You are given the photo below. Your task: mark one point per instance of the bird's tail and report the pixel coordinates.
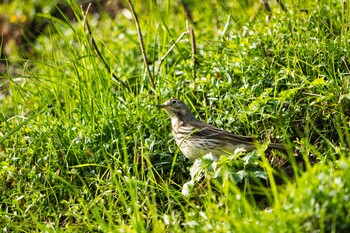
(278, 146)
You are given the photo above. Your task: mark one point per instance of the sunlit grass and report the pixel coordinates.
(79, 151)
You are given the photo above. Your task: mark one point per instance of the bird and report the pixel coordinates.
(196, 138)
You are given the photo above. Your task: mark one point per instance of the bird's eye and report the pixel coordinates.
(174, 102)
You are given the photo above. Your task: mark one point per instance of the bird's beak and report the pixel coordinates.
(160, 106)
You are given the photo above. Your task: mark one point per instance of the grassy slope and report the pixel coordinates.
(80, 152)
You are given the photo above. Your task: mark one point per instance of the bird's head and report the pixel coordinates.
(176, 109)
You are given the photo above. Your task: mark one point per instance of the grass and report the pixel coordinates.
(79, 151)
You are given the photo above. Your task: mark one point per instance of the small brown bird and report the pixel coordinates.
(196, 138)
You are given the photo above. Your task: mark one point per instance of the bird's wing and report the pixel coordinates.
(211, 132)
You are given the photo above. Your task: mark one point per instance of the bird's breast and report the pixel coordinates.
(194, 148)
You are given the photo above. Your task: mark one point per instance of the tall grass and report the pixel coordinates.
(83, 151)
